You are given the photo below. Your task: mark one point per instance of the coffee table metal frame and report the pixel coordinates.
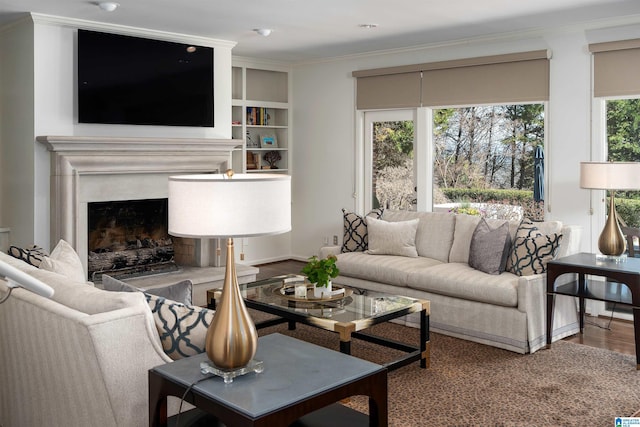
(286, 312)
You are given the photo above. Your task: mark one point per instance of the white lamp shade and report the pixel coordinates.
(610, 175)
(216, 206)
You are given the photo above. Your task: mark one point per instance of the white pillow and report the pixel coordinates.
(392, 238)
(64, 260)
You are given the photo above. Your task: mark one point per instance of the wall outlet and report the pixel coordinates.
(325, 240)
(335, 239)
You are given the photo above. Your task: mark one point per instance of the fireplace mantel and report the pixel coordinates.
(88, 169)
(74, 144)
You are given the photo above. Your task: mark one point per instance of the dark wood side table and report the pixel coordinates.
(299, 378)
(626, 272)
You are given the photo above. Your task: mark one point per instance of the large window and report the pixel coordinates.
(489, 160)
(623, 145)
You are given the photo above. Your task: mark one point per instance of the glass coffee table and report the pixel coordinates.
(348, 314)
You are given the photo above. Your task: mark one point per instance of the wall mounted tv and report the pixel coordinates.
(139, 81)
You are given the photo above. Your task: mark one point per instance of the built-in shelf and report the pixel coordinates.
(260, 117)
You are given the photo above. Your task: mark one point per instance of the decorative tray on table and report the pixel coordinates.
(339, 292)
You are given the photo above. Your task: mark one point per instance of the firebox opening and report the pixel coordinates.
(129, 238)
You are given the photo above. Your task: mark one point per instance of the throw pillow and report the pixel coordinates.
(64, 260)
(531, 254)
(180, 292)
(182, 329)
(392, 238)
(489, 247)
(354, 238)
(526, 229)
(32, 255)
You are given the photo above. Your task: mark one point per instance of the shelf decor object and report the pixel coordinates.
(611, 176)
(268, 141)
(225, 206)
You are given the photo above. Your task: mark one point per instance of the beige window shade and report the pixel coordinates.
(388, 91)
(522, 81)
(615, 68)
(518, 77)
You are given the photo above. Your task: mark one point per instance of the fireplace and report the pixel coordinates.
(129, 238)
(88, 170)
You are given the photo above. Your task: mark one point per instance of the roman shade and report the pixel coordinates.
(615, 68)
(517, 77)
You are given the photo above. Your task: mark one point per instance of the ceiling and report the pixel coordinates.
(306, 31)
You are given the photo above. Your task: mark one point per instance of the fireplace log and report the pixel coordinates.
(127, 258)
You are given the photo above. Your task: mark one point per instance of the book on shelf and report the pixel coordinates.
(258, 116)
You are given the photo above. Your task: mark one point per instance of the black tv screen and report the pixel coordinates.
(138, 81)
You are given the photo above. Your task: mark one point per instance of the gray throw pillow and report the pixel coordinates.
(489, 248)
(180, 292)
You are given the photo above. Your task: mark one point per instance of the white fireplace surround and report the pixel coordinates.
(98, 169)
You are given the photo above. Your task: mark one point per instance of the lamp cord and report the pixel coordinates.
(6, 297)
(608, 326)
(184, 396)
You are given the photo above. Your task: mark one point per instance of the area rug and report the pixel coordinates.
(472, 384)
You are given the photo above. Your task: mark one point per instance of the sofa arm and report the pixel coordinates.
(325, 251)
(570, 243)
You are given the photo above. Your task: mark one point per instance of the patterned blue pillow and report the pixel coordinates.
(531, 254)
(355, 237)
(182, 328)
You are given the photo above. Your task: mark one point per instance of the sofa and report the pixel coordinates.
(80, 358)
(427, 255)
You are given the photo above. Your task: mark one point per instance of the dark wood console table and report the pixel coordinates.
(624, 273)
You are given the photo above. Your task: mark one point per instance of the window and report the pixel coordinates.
(389, 141)
(489, 160)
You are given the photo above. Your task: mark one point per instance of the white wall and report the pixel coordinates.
(16, 130)
(324, 124)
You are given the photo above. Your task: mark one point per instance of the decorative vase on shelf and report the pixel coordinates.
(322, 291)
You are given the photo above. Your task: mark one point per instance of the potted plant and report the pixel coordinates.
(320, 272)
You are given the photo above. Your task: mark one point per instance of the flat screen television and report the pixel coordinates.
(138, 81)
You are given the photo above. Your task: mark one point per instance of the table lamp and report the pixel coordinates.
(226, 206)
(610, 176)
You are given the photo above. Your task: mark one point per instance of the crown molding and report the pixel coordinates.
(39, 18)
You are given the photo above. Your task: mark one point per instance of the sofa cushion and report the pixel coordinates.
(464, 227)
(459, 280)
(64, 260)
(489, 248)
(392, 238)
(354, 238)
(389, 269)
(182, 329)
(435, 231)
(180, 292)
(531, 254)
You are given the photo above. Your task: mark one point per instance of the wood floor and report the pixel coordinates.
(616, 335)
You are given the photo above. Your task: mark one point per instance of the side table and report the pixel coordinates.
(627, 273)
(299, 378)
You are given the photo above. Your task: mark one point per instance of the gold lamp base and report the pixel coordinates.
(612, 241)
(232, 338)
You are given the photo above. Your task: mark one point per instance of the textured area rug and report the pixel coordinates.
(471, 384)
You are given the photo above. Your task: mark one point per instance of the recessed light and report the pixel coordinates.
(367, 26)
(264, 32)
(108, 6)
(191, 49)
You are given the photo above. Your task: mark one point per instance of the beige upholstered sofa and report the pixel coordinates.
(504, 310)
(78, 359)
